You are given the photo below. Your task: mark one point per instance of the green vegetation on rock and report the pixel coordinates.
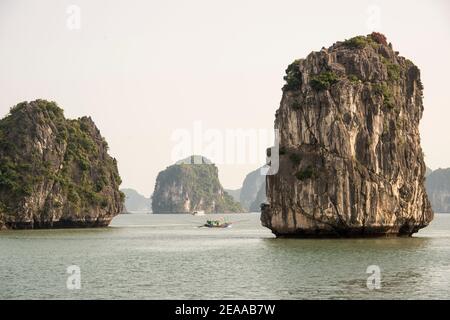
(296, 105)
(393, 69)
(358, 42)
(385, 90)
(293, 77)
(295, 159)
(353, 78)
(324, 80)
(305, 174)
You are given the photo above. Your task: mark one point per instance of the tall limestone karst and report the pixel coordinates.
(351, 163)
(55, 172)
(191, 185)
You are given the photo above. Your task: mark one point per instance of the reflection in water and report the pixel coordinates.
(336, 268)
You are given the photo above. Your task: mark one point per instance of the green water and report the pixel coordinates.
(168, 257)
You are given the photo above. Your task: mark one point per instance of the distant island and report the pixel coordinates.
(438, 189)
(55, 172)
(192, 185)
(252, 193)
(351, 164)
(136, 202)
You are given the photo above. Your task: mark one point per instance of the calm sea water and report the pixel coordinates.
(168, 257)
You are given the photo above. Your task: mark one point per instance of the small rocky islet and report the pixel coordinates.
(55, 172)
(192, 184)
(351, 164)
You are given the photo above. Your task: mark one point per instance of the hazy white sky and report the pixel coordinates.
(144, 69)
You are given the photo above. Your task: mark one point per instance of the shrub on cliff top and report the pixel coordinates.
(293, 76)
(357, 42)
(360, 42)
(324, 80)
(378, 38)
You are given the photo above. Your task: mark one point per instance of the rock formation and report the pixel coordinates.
(136, 202)
(350, 157)
(55, 172)
(251, 186)
(259, 199)
(252, 193)
(438, 190)
(191, 185)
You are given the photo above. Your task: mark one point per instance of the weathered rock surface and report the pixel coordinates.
(438, 190)
(350, 157)
(54, 172)
(191, 185)
(251, 195)
(260, 198)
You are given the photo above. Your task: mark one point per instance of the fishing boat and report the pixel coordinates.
(198, 213)
(220, 223)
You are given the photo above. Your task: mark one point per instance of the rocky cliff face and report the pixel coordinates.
(438, 190)
(259, 200)
(55, 172)
(191, 185)
(350, 157)
(251, 188)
